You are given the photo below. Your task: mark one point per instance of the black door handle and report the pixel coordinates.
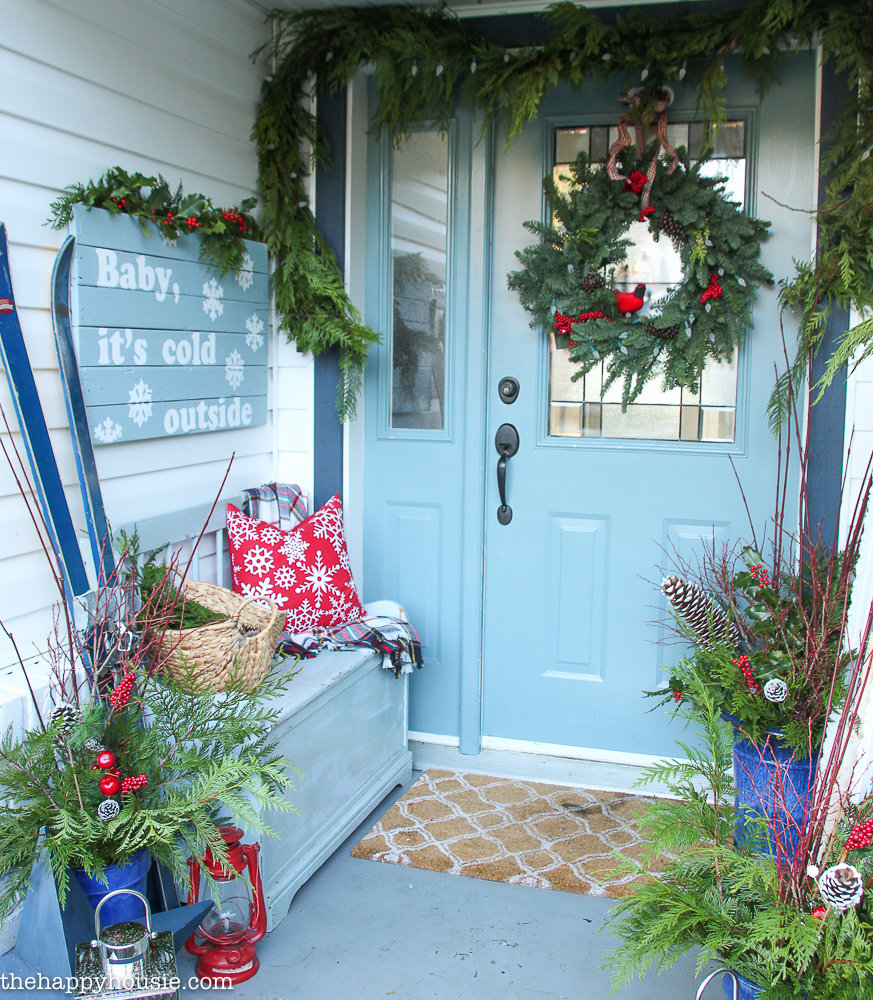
(506, 442)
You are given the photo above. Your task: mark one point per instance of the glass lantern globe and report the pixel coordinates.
(230, 920)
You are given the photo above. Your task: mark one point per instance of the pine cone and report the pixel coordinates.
(64, 718)
(93, 745)
(108, 810)
(702, 615)
(666, 333)
(775, 690)
(841, 886)
(668, 224)
(592, 281)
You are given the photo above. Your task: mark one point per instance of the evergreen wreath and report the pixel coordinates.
(568, 281)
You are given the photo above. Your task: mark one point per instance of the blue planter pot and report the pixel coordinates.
(130, 876)
(774, 784)
(747, 990)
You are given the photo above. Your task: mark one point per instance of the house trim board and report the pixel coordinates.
(549, 763)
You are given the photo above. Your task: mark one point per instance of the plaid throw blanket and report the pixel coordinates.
(397, 641)
(276, 503)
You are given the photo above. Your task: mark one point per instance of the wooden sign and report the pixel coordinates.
(165, 346)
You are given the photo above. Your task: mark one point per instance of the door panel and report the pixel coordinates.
(544, 629)
(571, 582)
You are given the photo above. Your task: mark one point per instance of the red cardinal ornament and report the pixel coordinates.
(631, 302)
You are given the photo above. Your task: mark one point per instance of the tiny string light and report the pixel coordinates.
(506, 57)
(439, 69)
(473, 66)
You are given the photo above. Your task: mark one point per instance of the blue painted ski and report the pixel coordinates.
(46, 478)
(86, 467)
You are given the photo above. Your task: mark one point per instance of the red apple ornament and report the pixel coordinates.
(106, 759)
(110, 784)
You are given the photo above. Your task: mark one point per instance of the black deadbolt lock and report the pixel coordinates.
(507, 389)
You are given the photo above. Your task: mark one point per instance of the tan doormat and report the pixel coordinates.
(507, 830)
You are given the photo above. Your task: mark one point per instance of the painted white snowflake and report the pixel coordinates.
(240, 528)
(244, 276)
(234, 369)
(140, 399)
(294, 548)
(255, 326)
(108, 431)
(213, 293)
(271, 534)
(258, 560)
(285, 577)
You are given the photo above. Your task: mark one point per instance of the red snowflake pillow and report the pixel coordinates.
(304, 571)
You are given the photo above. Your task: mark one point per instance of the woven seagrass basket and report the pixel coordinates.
(240, 649)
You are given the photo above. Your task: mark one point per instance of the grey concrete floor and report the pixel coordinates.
(361, 930)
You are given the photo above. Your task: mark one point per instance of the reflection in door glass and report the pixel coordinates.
(419, 222)
(580, 408)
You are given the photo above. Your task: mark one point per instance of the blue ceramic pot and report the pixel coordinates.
(774, 784)
(747, 990)
(130, 876)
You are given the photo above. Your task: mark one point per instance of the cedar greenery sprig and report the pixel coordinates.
(150, 199)
(425, 59)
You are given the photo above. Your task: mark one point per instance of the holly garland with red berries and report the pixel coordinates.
(568, 280)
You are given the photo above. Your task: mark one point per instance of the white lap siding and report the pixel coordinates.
(159, 86)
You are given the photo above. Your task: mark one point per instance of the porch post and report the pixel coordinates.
(330, 192)
(827, 419)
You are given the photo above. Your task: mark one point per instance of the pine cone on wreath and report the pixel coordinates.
(668, 224)
(702, 615)
(665, 333)
(841, 886)
(592, 281)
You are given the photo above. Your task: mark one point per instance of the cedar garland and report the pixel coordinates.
(425, 58)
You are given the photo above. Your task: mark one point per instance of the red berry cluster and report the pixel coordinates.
(760, 574)
(234, 218)
(193, 223)
(564, 323)
(120, 202)
(645, 213)
(133, 784)
(678, 696)
(861, 836)
(748, 673)
(121, 695)
(713, 291)
(636, 182)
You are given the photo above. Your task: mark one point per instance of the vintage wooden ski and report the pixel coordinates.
(28, 409)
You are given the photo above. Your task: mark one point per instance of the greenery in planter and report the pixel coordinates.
(127, 758)
(780, 926)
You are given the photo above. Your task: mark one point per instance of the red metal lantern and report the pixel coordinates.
(225, 941)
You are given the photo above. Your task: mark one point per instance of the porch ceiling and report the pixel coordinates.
(477, 8)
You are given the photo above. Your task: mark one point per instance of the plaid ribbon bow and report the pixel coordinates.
(624, 140)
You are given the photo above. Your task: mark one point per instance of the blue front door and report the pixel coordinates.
(540, 631)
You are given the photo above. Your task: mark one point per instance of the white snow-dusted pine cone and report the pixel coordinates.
(93, 745)
(108, 809)
(841, 886)
(776, 690)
